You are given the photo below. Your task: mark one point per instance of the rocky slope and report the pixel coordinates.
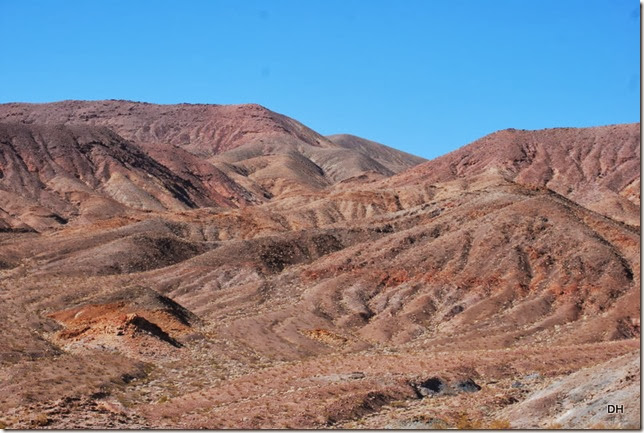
(598, 168)
(320, 289)
(230, 155)
(53, 174)
(201, 129)
(612, 382)
(392, 159)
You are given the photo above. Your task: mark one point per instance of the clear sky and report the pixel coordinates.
(424, 76)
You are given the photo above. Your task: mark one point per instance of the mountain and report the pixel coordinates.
(201, 129)
(392, 159)
(598, 168)
(53, 174)
(246, 153)
(281, 279)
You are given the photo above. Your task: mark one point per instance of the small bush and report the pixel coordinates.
(499, 424)
(463, 422)
(40, 420)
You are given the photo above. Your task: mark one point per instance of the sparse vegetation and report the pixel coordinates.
(499, 424)
(303, 288)
(40, 420)
(465, 422)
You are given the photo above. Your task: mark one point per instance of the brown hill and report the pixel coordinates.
(465, 270)
(50, 175)
(290, 167)
(201, 129)
(393, 159)
(135, 320)
(455, 294)
(598, 168)
(265, 153)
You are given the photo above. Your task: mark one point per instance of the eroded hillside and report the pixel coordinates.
(284, 282)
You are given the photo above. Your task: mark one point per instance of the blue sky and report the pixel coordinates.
(425, 76)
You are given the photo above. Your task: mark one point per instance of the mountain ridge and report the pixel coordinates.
(574, 162)
(232, 154)
(311, 284)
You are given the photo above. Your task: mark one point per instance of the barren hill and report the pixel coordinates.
(202, 129)
(53, 174)
(246, 153)
(393, 159)
(285, 283)
(596, 167)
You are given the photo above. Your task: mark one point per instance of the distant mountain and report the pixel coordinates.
(598, 167)
(392, 159)
(288, 166)
(201, 129)
(264, 153)
(52, 174)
